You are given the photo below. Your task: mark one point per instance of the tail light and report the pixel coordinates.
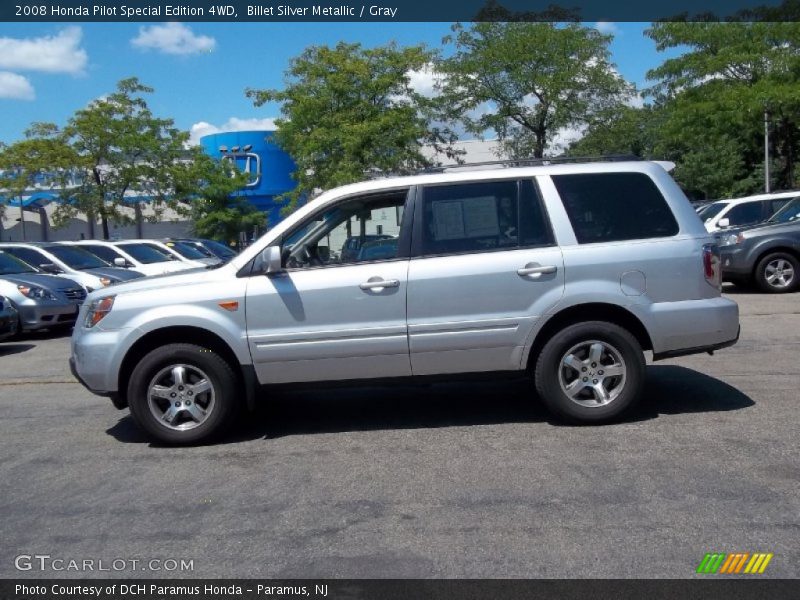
(712, 267)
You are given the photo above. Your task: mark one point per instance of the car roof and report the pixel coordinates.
(459, 173)
(757, 197)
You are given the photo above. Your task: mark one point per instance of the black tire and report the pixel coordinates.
(620, 348)
(777, 259)
(194, 359)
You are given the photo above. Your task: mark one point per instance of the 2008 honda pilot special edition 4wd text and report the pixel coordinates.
(568, 272)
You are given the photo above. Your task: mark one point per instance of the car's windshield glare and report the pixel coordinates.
(789, 212)
(77, 258)
(186, 250)
(146, 254)
(712, 210)
(10, 265)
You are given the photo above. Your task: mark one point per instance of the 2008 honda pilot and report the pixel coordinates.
(566, 271)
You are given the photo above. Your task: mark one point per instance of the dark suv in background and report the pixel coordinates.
(767, 254)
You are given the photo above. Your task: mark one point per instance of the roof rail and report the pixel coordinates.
(534, 162)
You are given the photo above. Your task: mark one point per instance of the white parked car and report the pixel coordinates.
(72, 263)
(740, 212)
(184, 252)
(144, 259)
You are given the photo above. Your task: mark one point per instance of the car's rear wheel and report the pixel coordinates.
(590, 372)
(183, 394)
(777, 273)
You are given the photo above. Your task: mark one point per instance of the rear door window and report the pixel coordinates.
(482, 216)
(612, 207)
(747, 213)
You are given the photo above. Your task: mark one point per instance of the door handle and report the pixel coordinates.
(536, 270)
(376, 282)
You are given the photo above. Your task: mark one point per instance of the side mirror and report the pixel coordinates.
(49, 268)
(271, 260)
(724, 222)
(120, 262)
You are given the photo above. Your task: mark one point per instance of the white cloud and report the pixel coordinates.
(636, 100)
(173, 38)
(606, 27)
(202, 128)
(424, 81)
(15, 87)
(60, 53)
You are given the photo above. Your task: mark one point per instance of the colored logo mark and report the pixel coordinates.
(741, 563)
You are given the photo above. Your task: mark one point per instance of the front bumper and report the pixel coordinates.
(9, 320)
(41, 315)
(95, 358)
(734, 263)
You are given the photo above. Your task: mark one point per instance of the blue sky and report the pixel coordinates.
(200, 70)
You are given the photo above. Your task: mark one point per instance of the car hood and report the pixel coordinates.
(155, 282)
(49, 282)
(764, 228)
(114, 273)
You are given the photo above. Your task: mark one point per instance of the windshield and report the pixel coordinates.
(186, 250)
(712, 210)
(10, 265)
(146, 254)
(789, 212)
(76, 258)
(220, 250)
(104, 252)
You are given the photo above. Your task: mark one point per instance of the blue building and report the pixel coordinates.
(255, 153)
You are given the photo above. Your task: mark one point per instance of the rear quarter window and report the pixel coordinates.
(612, 207)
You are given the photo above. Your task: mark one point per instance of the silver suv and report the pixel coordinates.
(568, 272)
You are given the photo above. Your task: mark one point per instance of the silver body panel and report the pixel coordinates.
(443, 314)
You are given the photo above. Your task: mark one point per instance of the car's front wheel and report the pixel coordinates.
(590, 372)
(777, 273)
(183, 394)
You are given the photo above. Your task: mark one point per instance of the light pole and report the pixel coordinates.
(766, 150)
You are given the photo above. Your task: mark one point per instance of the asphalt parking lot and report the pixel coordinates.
(458, 480)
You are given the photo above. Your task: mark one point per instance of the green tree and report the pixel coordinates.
(715, 94)
(626, 130)
(42, 152)
(216, 210)
(122, 149)
(527, 81)
(348, 111)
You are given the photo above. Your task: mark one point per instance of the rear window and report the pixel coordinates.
(612, 207)
(483, 216)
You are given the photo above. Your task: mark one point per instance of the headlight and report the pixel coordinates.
(98, 309)
(731, 239)
(105, 281)
(34, 291)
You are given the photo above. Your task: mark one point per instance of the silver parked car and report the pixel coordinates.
(41, 301)
(568, 272)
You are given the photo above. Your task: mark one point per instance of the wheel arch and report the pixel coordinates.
(593, 311)
(762, 252)
(183, 334)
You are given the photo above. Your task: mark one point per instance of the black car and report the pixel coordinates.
(9, 319)
(767, 254)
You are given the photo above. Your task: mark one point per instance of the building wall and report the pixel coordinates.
(172, 225)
